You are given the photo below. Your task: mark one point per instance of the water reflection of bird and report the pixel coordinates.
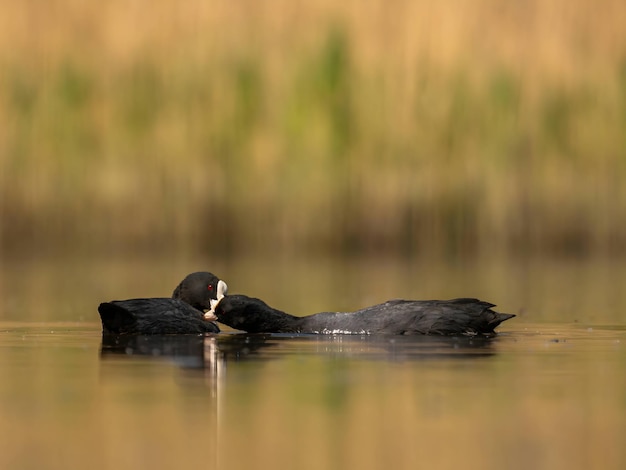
(188, 351)
(212, 352)
(181, 314)
(396, 317)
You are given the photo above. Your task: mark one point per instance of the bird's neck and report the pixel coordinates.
(276, 321)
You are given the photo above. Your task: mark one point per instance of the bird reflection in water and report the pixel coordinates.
(212, 352)
(188, 351)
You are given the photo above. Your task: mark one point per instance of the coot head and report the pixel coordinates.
(240, 312)
(198, 289)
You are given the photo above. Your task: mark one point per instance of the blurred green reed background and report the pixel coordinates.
(406, 127)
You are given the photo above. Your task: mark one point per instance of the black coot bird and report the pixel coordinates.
(394, 317)
(182, 314)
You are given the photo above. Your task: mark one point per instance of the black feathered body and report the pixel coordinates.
(181, 314)
(395, 317)
(153, 316)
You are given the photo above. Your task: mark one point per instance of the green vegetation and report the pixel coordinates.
(315, 134)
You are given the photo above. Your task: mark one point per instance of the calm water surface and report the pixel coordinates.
(549, 392)
(537, 396)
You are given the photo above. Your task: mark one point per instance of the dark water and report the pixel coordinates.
(548, 392)
(538, 396)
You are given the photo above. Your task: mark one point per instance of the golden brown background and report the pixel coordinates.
(408, 127)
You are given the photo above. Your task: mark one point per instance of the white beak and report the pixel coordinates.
(222, 290)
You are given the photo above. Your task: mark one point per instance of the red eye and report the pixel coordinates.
(209, 287)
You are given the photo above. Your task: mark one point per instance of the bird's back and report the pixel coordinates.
(153, 316)
(441, 317)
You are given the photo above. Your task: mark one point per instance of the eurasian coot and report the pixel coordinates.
(394, 317)
(182, 314)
